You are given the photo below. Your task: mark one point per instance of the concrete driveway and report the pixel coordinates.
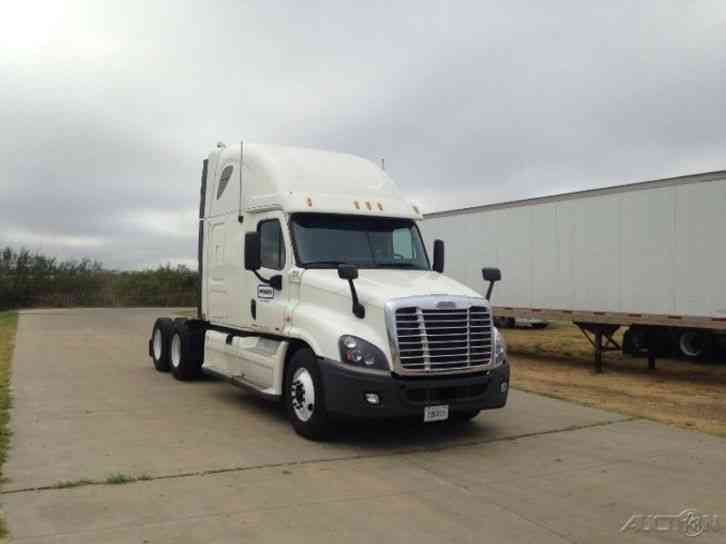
(221, 466)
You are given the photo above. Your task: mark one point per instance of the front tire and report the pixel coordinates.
(159, 343)
(185, 352)
(304, 396)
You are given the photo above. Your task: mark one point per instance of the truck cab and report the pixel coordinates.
(317, 290)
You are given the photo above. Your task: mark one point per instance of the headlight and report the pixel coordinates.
(357, 352)
(500, 348)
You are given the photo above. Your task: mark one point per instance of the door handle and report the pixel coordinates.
(253, 308)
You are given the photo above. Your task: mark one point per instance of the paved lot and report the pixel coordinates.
(225, 467)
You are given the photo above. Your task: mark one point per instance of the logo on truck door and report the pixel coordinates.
(265, 292)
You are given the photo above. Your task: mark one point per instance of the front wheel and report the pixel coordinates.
(304, 398)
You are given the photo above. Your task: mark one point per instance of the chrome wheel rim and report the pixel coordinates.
(157, 344)
(176, 351)
(302, 394)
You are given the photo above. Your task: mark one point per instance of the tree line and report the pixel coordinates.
(30, 279)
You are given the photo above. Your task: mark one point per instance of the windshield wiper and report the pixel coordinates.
(324, 263)
(397, 265)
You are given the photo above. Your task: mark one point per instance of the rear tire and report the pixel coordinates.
(692, 344)
(304, 396)
(159, 343)
(186, 351)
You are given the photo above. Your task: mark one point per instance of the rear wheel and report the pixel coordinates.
(159, 344)
(691, 344)
(304, 397)
(185, 351)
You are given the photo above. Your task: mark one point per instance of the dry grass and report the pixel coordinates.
(8, 325)
(557, 361)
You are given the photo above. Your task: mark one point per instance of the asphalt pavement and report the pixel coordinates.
(215, 464)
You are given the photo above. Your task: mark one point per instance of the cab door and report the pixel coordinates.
(268, 306)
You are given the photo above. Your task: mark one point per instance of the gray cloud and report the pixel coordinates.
(108, 108)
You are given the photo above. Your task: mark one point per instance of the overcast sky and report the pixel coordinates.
(108, 108)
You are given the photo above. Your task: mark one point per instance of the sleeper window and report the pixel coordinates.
(224, 180)
(272, 245)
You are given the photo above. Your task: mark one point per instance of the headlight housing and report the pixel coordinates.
(358, 352)
(500, 348)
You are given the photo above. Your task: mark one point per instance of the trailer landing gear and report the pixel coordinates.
(600, 335)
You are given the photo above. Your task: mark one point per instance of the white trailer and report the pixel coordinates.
(317, 290)
(647, 256)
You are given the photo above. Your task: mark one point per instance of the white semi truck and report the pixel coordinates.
(646, 256)
(317, 290)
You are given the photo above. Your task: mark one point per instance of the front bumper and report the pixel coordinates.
(345, 391)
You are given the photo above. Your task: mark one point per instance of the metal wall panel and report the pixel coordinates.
(650, 249)
(700, 217)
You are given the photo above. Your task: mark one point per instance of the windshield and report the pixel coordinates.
(327, 240)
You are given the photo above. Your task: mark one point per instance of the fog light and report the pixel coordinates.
(373, 398)
(503, 387)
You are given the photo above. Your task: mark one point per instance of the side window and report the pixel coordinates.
(272, 244)
(402, 243)
(224, 180)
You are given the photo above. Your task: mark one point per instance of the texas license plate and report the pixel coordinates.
(436, 413)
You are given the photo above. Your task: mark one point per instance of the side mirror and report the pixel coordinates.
(438, 256)
(492, 275)
(276, 282)
(252, 251)
(349, 273)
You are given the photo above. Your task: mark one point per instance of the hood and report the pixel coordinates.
(376, 286)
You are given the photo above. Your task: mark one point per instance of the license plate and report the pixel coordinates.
(436, 413)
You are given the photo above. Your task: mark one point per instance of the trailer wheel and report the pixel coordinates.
(304, 397)
(691, 344)
(159, 343)
(185, 352)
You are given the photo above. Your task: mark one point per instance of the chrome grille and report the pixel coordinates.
(430, 339)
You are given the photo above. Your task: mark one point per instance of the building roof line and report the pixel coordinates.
(560, 197)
